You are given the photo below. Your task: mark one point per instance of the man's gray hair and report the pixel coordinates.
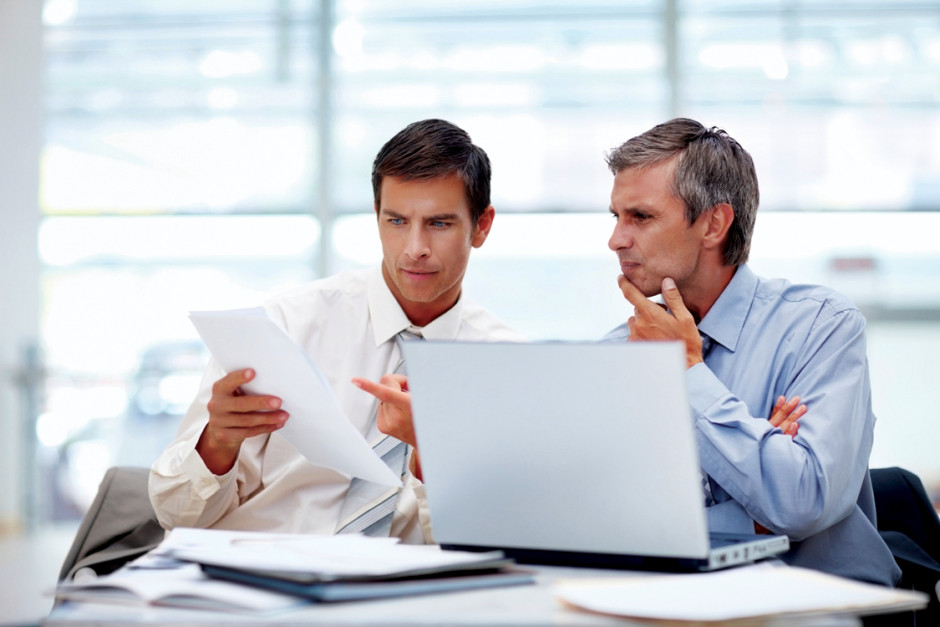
(711, 168)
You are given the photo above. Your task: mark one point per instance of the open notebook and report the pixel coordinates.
(566, 453)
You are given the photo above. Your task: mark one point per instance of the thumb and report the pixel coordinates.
(672, 297)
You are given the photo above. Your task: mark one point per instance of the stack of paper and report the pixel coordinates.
(257, 571)
(738, 593)
(342, 567)
(179, 585)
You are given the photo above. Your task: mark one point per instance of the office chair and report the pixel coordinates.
(910, 527)
(119, 526)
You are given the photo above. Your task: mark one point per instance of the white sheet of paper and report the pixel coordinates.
(317, 427)
(183, 586)
(749, 591)
(334, 556)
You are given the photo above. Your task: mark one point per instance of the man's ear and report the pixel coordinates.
(719, 220)
(484, 224)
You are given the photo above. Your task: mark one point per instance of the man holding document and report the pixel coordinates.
(228, 469)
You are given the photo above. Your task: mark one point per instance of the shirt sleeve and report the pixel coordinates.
(412, 521)
(803, 485)
(183, 491)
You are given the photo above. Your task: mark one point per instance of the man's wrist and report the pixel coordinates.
(219, 460)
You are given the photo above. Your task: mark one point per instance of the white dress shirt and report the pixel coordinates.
(347, 323)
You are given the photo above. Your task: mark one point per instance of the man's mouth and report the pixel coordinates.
(417, 274)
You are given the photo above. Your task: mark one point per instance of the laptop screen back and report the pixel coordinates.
(558, 446)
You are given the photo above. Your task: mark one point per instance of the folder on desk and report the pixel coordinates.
(337, 568)
(357, 590)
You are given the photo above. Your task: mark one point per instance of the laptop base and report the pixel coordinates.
(592, 560)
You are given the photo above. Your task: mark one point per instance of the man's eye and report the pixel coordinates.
(439, 224)
(396, 221)
(641, 217)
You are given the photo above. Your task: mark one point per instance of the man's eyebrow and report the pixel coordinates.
(439, 216)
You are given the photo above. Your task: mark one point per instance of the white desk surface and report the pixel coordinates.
(532, 604)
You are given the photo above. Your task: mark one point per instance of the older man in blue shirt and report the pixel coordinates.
(685, 199)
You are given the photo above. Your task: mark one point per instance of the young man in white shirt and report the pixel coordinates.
(228, 468)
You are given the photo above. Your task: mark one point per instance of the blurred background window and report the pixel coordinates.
(205, 155)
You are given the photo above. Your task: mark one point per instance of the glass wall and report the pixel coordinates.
(205, 155)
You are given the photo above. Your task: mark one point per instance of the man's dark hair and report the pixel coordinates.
(430, 149)
(711, 168)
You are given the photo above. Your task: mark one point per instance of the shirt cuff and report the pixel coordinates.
(203, 482)
(424, 512)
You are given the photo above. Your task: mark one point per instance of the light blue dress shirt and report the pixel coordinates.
(770, 337)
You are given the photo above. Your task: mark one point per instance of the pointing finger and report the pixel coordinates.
(383, 392)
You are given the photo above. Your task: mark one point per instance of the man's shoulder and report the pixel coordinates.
(479, 324)
(820, 302)
(339, 296)
(803, 293)
(350, 283)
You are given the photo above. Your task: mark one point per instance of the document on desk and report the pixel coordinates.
(317, 427)
(182, 586)
(319, 558)
(747, 592)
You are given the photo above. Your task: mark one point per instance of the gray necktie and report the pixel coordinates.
(369, 507)
(706, 485)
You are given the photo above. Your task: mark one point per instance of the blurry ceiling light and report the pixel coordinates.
(863, 53)
(621, 57)
(776, 67)
(492, 94)
(347, 38)
(222, 98)
(58, 12)
(743, 55)
(813, 54)
(382, 62)
(424, 61)
(69, 240)
(497, 59)
(895, 49)
(352, 133)
(932, 50)
(356, 238)
(888, 50)
(404, 95)
(220, 63)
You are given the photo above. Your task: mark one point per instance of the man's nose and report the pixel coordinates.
(419, 243)
(620, 238)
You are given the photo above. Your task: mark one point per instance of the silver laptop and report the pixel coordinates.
(566, 453)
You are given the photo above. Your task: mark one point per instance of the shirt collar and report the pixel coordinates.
(725, 320)
(388, 318)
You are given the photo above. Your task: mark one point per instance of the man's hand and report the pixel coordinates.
(651, 322)
(786, 413)
(394, 412)
(233, 417)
